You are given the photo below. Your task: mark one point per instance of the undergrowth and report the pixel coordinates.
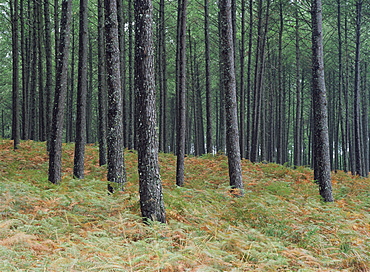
(281, 224)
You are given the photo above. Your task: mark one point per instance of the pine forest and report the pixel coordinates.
(163, 135)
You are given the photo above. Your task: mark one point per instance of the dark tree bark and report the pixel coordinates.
(208, 79)
(25, 72)
(229, 87)
(55, 154)
(181, 91)
(122, 55)
(249, 72)
(102, 88)
(342, 113)
(163, 142)
(321, 155)
(151, 198)
(49, 68)
(71, 89)
(365, 121)
(298, 121)
(242, 85)
(15, 81)
(56, 28)
(41, 91)
(357, 95)
(258, 80)
(90, 136)
(33, 72)
(131, 102)
(116, 169)
(80, 141)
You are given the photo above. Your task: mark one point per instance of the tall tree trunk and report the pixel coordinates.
(102, 88)
(320, 114)
(151, 198)
(90, 136)
(80, 141)
(55, 154)
(131, 101)
(340, 91)
(34, 72)
(242, 86)
(71, 89)
(116, 168)
(258, 80)
(25, 72)
(297, 133)
(49, 68)
(163, 143)
(249, 72)
(41, 90)
(229, 87)
(357, 95)
(15, 80)
(208, 78)
(122, 52)
(181, 91)
(365, 122)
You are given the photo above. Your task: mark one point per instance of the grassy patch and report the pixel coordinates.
(280, 225)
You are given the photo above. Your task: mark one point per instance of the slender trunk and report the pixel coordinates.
(80, 141)
(49, 67)
(249, 71)
(116, 169)
(15, 80)
(229, 86)
(181, 92)
(320, 115)
(102, 88)
(297, 134)
(208, 79)
(55, 154)
(122, 50)
(242, 86)
(357, 95)
(163, 143)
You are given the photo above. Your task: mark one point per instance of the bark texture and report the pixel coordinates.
(181, 91)
(79, 156)
(151, 199)
(321, 154)
(116, 170)
(229, 87)
(55, 154)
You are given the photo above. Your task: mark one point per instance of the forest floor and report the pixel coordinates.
(280, 225)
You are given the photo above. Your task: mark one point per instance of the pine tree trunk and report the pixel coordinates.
(229, 87)
(321, 155)
(122, 55)
(102, 88)
(116, 169)
(208, 79)
(181, 92)
(163, 143)
(55, 154)
(131, 101)
(15, 80)
(297, 132)
(80, 141)
(357, 95)
(151, 199)
(242, 86)
(49, 68)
